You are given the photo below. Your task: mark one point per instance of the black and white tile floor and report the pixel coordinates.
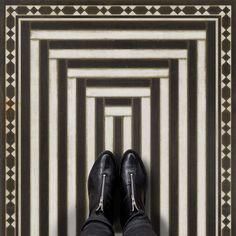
(86, 84)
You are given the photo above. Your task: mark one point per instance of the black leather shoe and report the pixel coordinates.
(133, 185)
(101, 185)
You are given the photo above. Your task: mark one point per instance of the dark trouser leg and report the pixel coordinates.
(139, 225)
(97, 225)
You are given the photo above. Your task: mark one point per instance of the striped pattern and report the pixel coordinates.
(84, 95)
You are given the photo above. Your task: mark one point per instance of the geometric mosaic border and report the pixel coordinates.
(12, 14)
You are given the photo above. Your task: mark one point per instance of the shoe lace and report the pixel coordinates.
(100, 206)
(134, 205)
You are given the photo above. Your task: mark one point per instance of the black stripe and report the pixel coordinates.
(136, 125)
(155, 154)
(192, 139)
(115, 25)
(80, 153)
(173, 134)
(117, 63)
(118, 102)
(43, 138)
(118, 137)
(118, 82)
(118, 44)
(25, 129)
(99, 119)
(219, 130)
(22, 136)
(62, 148)
(117, 149)
(128, 16)
(233, 156)
(211, 134)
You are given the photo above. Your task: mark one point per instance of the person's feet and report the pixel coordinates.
(133, 185)
(101, 185)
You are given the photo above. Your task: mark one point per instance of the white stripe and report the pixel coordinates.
(183, 142)
(127, 133)
(90, 137)
(201, 138)
(117, 92)
(118, 111)
(71, 151)
(146, 143)
(53, 147)
(118, 53)
(34, 138)
(120, 73)
(118, 34)
(109, 126)
(164, 157)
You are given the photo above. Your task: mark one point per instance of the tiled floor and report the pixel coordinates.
(86, 83)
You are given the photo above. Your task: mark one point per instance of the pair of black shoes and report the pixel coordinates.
(103, 180)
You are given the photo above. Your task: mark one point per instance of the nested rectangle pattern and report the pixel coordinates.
(82, 92)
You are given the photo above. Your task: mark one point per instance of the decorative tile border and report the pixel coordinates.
(226, 122)
(71, 10)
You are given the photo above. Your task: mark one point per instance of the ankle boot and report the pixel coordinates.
(101, 185)
(133, 185)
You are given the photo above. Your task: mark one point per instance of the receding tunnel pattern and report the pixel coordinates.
(118, 83)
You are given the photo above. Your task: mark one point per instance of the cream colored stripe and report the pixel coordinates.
(90, 137)
(120, 73)
(118, 53)
(118, 111)
(109, 125)
(71, 151)
(164, 157)
(118, 34)
(146, 142)
(183, 145)
(201, 138)
(127, 133)
(53, 148)
(34, 138)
